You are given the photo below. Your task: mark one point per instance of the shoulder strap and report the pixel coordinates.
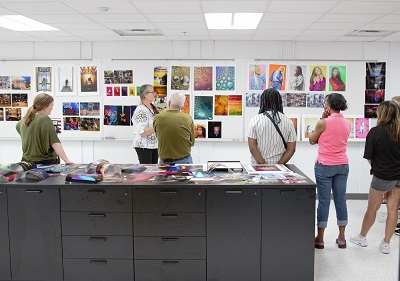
(277, 129)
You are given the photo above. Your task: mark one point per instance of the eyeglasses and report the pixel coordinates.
(154, 93)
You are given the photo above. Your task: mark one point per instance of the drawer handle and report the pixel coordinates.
(32, 191)
(98, 261)
(96, 191)
(97, 215)
(169, 216)
(169, 192)
(98, 238)
(233, 191)
(170, 262)
(169, 239)
(287, 191)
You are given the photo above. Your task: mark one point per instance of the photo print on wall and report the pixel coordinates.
(277, 76)
(19, 100)
(71, 123)
(13, 114)
(20, 82)
(296, 77)
(70, 108)
(200, 131)
(362, 126)
(257, 77)
(352, 122)
(295, 100)
(315, 100)
(337, 78)
(89, 80)
(374, 96)
(220, 105)
(375, 69)
(317, 78)
(186, 105)
(5, 83)
(44, 78)
(215, 130)
(225, 78)
(370, 110)
(180, 77)
(203, 107)
(65, 78)
(253, 99)
(235, 105)
(203, 78)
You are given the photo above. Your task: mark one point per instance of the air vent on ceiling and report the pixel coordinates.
(138, 32)
(371, 33)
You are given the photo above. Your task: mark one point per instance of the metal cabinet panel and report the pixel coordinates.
(170, 270)
(96, 199)
(5, 273)
(111, 247)
(96, 223)
(167, 224)
(169, 200)
(35, 233)
(98, 270)
(170, 248)
(233, 234)
(288, 227)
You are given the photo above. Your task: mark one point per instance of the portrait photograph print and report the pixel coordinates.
(215, 130)
(44, 79)
(89, 82)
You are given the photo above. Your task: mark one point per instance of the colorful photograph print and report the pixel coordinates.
(374, 96)
(161, 99)
(70, 108)
(127, 76)
(44, 78)
(90, 108)
(235, 105)
(203, 78)
(117, 91)
(71, 123)
(19, 100)
(118, 76)
(132, 91)
(215, 130)
(296, 123)
(132, 110)
(362, 127)
(123, 115)
(375, 68)
(370, 110)
(186, 105)
(375, 82)
(337, 78)
(124, 91)
(315, 100)
(295, 100)
(352, 121)
(253, 99)
(180, 77)
(221, 105)
(203, 107)
(4, 82)
(108, 77)
(89, 124)
(284, 99)
(110, 115)
(257, 80)
(5, 100)
(109, 91)
(297, 77)
(277, 76)
(308, 126)
(1, 114)
(20, 82)
(13, 114)
(317, 77)
(200, 131)
(225, 78)
(88, 79)
(65, 78)
(160, 76)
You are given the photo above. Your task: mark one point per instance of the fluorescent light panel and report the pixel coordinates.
(22, 23)
(233, 20)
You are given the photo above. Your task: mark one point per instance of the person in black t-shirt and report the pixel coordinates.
(382, 150)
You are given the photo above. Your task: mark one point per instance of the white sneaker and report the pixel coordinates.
(384, 247)
(360, 241)
(382, 217)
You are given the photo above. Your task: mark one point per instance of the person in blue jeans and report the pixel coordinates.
(331, 166)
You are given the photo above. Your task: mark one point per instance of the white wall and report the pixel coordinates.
(122, 152)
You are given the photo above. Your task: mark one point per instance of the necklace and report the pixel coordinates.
(151, 111)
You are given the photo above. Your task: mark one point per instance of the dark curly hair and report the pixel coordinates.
(336, 101)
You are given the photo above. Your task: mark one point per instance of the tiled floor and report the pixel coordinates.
(356, 263)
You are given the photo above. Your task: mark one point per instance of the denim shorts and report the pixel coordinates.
(383, 185)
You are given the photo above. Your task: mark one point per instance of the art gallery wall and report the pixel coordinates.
(241, 51)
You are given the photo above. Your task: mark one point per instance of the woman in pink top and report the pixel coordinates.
(331, 167)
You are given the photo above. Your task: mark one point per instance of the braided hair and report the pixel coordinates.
(271, 100)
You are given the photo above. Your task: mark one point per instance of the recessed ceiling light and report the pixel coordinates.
(233, 20)
(22, 23)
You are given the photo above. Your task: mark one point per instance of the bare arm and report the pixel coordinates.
(319, 129)
(58, 148)
(254, 150)
(290, 150)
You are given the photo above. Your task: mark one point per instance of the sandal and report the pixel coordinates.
(318, 245)
(341, 246)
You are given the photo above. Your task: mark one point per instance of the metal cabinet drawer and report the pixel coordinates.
(169, 200)
(98, 270)
(170, 248)
(170, 270)
(161, 224)
(91, 223)
(96, 199)
(112, 247)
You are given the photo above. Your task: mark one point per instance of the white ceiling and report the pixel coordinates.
(322, 20)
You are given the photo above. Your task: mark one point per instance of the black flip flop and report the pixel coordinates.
(341, 246)
(319, 246)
